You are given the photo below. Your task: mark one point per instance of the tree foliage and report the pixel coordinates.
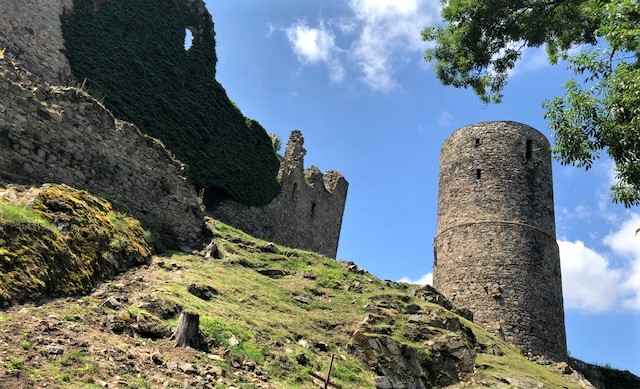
(599, 39)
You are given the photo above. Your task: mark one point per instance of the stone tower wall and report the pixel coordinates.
(495, 250)
(307, 214)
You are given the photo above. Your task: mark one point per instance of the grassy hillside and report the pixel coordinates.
(269, 315)
(131, 55)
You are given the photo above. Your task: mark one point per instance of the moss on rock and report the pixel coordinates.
(71, 241)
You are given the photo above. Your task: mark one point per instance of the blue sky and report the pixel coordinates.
(350, 75)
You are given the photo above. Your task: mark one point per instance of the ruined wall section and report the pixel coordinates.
(307, 214)
(495, 250)
(62, 135)
(30, 31)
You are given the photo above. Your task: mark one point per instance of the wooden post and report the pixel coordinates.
(327, 379)
(326, 382)
(186, 333)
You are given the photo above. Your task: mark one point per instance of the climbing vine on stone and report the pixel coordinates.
(132, 55)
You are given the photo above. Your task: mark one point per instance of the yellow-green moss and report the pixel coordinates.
(62, 243)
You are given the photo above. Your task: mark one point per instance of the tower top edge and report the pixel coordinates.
(497, 125)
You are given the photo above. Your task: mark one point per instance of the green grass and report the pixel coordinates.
(137, 382)
(14, 363)
(36, 373)
(17, 213)
(72, 357)
(222, 333)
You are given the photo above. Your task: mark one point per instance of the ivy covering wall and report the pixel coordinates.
(132, 55)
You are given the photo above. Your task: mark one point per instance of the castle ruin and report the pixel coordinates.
(307, 213)
(495, 249)
(62, 135)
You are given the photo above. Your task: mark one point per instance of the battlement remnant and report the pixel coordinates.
(495, 249)
(307, 214)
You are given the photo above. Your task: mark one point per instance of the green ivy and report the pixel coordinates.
(131, 54)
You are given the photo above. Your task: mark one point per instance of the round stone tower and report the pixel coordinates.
(495, 249)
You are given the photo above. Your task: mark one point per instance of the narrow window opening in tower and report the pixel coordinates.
(313, 209)
(188, 38)
(478, 142)
(478, 173)
(529, 151)
(294, 190)
(98, 4)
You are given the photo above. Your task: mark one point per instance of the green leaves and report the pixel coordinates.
(600, 110)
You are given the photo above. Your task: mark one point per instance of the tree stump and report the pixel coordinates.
(186, 333)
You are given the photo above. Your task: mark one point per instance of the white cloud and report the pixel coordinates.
(625, 243)
(389, 32)
(533, 58)
(591, 282)
(374, 10)
(378, 36)
(313, 45)
(426, 279)
(588, 282)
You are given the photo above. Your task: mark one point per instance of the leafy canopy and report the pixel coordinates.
(600, 110)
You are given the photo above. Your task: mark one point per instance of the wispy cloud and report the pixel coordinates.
(389, 30)
(533, 58)
(426, 279)
(316, 45)
(591, 282)
(378, 37)
(446, 119)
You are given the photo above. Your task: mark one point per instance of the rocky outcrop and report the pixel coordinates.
(605, 377)
(307, 214)
(59, 241)
(62, 135)
(410, 347)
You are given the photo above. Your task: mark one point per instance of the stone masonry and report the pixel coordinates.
(62, 135)
(307, 214)
(30, 32)
(495, 249)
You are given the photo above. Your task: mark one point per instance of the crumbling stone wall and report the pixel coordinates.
(30, 32)
(495, 249)
(62, 135)
(307, 213)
